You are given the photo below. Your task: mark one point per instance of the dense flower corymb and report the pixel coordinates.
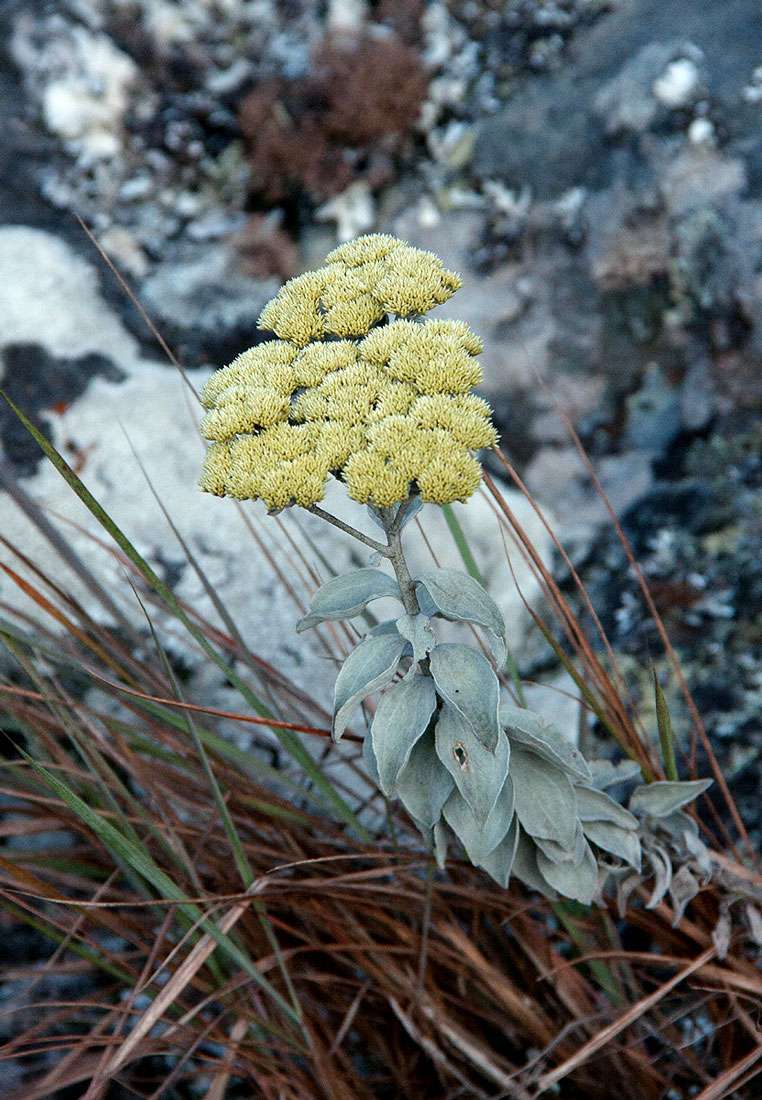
(383, 404)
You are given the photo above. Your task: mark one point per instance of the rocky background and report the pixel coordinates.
(594, 170)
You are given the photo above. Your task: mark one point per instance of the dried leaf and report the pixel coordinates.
(401, 718)
(460, 598)
(347, 595)
(466, 680)
(545, 801)
(370, 666)
(424, 784)
(662, 798)
(545, 739)
(479, 774)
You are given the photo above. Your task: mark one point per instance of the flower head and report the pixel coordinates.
(383, 404)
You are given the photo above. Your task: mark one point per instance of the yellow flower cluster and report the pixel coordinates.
(361, 282)
(387, 412)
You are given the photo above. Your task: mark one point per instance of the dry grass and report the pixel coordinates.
(235, 931)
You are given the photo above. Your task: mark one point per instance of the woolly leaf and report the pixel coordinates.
(479, 841)
(661, 865)
(623, 843)
(682, 889)
(662, 798)
(478, 773)
(460, 598)
(401, 718)
(605, 774)
(466, 680)
(577, 883)
(525, 866)
(594, 805)
(369, 759)
(417, 630)
(545, 801)
(556, 853)
(424, 784)
(370, 666)
(440, 843)
(544, 739)
(347, 595)
(499, 863)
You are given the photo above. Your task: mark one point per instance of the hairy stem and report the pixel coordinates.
(401, 571)
(348, 530)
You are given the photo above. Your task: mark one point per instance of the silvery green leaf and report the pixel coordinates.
(545, 739)
(411, 512)
(558, 854)
(424, 784)
(375, 558)
(605, 774)
(545, 801)
(388, 626)
(499, 863)
(460, 598)
(754, 921)
(477, 840)
(347, 595)
(577, 883)
(369, 759)
(478, 773)
(466, 680)
(662, 798)
(525, 866)
(623, 843)
(683, 889)
(401, 718)
(623, 891)
(661, 865)
(417, 630)
(440, 843)
(370, 666)
(594, 805)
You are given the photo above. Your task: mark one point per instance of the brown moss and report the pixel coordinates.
(347, 119)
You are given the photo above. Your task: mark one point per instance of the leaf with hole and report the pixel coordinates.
(417, 630)
(401, 718)
(479, 774)
(369, 667)
(466, 680)
(347, 595)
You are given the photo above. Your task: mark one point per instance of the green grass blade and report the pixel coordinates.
(287, 738)
(666, 734)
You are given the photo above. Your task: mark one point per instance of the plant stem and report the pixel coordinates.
(397, 558)
(345, 527)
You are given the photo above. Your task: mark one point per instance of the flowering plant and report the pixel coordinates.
(360, 385)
